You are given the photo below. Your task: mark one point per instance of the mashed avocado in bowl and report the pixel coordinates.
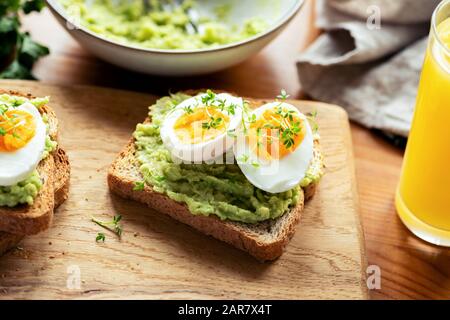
(200, 37)
(170, 27)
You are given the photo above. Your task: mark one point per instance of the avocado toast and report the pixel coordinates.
(33, 213)
(216, 200)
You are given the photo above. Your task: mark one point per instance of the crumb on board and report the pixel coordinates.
(21, 253)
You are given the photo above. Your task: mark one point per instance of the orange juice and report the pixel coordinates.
(423, 196)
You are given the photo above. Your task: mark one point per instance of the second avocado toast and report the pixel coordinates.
(264, 233)
(23, 216)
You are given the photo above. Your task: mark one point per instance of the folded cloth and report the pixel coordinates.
(371, 70)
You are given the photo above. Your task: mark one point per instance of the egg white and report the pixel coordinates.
(205, 151)
(19, 165)
(277, 175)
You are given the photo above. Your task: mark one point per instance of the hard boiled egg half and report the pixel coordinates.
(198, 129)
(276, 149)
(22, 142)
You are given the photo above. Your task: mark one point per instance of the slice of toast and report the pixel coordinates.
(62, 183)
(265, 240)
(27, 220)
(24, 219)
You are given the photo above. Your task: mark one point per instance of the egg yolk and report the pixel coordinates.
(17, 128)
(276, 134)
(201, 125)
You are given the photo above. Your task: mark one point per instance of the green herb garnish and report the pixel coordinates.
(288, 134)
(139, 186)
(221, 104)
(283, 95)
(188, 110)
(100, 237)
(214, 123)
(113, 226)
(208, 98)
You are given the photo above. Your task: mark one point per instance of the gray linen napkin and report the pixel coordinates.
(372, 72)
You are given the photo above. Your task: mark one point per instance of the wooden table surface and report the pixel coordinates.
(410, 268)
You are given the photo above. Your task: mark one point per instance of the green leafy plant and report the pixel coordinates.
(18, 52)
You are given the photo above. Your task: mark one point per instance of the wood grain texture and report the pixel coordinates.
(161, 258)
(411, 268)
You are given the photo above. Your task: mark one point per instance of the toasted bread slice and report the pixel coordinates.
(26, 220)
(265, 240)
(62, 183)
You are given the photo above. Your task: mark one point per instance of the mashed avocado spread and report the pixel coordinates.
(219, 189)
(25, 191)
(170, 28)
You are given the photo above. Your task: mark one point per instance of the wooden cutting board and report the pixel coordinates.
(159, 258)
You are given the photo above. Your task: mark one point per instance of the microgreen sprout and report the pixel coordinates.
(100, 237)
(188, 109)
(214, 123)
(208, 98)
(113, 226)
(283, 95)
(139, 186)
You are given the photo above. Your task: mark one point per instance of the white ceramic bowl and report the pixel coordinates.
(188, 62)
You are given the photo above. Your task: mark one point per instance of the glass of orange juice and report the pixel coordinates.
(423, 195)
